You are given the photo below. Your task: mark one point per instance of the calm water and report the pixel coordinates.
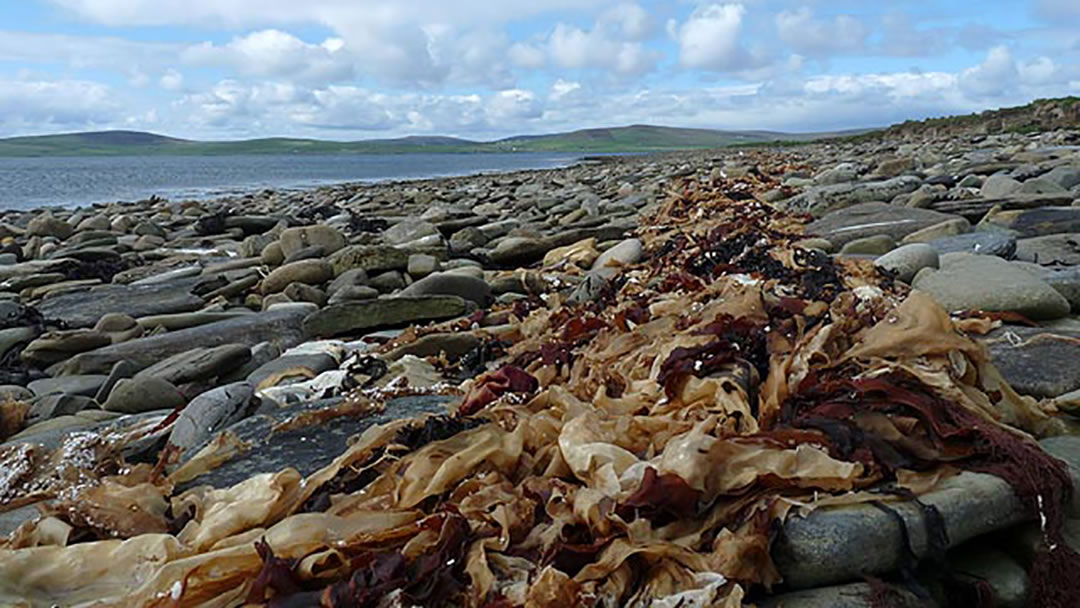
(26, 183)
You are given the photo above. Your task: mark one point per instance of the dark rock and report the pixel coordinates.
(119, 371)
(1034, 222)
(452, 284)
(1050, 250)
(200, 363)
(83, 309)
(274, 451)
(209, 413)
(72, 385)
(58, 404)
(981, 243)
(280, 326)
(301, 366)
(350, 317)
(853, 595)
(871, 219)
(1036, 361)
(454, 345)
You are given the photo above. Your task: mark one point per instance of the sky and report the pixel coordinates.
(485, 69)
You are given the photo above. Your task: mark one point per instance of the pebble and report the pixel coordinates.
(452, 284)
(143, 394)
(907, 260)
(977, 282)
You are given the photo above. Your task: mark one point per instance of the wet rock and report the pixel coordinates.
(275, 450)
(904, 262)
(371, 259)
(980, 243)
(871, 219)
(143, 394)
(625, 253)
(821, 200)
(940, 230)
(1023, 356)
(328, 238)
(869, 245)
(840, 544)
(58, 404)
(351, 317)
(291, 368)
(48, 225)
(1034, 222)
(1050, 250)
(971, 282)
(209, 413)
(59, 345)
(83, 309)
(520, 251)
(451, 284)
(281, 326)
(976, 561)
(200, 363)
(309, 272)
(87, 385)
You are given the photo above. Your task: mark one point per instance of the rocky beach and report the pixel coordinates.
(835, 374)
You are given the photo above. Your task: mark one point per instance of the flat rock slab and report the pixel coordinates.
(980, 243)
(872, 219)
(853, 595)
(975, 208)
(1035, 222)
(348, 317)
(200, 363)
(1050, 250)
(281, 326)
(305, 449)
(822, 199)
(1036, 361)
(84, 308)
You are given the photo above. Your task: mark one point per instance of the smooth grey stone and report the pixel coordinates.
(588, 290)
(281, 326)
(14, 392)
(142, 394)
(199, 363)
(999, 185)
(409, 230)
(83, 309)
(307, 253)
(520, 250)
(451, 284)
(58, 404)
(1039, 185)
(422, 264)
(184, 320)
(878, 244)
(298, 292)
(1066, 177)
(871, 219)
(1066, 282)
(1036, 361)
(905, 261)
(292, 240)
(307, 449)
(372, 259)
(209, 413)
(841, 173)
(625, 253)
(821, 200)
(982, 243)
(48, 225)
(261, 353)
(977, 282)
(1034, 222)
(840, 544)
(1050, 250)
(305, 366)
(977, 560)
(59, 345)
(388, 281)
(1067, 449)
(350, 317)
(11, 337)
(172, 275)
(309, 272)
(349, 278)
(87, 385)
(119, 371)
(353, 293)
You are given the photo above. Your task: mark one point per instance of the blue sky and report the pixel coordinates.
(359, 69)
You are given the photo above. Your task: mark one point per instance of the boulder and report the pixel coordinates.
(352, 317)
(977, 282)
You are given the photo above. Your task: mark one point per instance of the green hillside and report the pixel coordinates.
(635, 138)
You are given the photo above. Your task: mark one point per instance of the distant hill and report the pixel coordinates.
(634, 138)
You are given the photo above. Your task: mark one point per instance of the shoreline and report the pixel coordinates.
(441, 372)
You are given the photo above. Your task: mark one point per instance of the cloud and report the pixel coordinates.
(514, 104)
(274, 53)
(810, 36)
(630, 20)
(1056, 10)
(573, 48)
(171, 80)
(41, 105)
(995, 75)
(901, 38)
(709, 39)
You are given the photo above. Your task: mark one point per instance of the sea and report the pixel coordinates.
(30, 183)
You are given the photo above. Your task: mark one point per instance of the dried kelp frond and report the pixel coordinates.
(636, 450)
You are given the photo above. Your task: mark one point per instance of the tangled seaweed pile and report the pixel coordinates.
(637, 449)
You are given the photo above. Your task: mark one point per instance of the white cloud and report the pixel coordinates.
(526, 55)
(709, 39)
(274, 53)
(603, 46)
(810, 36)
(631, 20)
(995, 75)
(41, 106)
(171, 80)
(514, 104)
